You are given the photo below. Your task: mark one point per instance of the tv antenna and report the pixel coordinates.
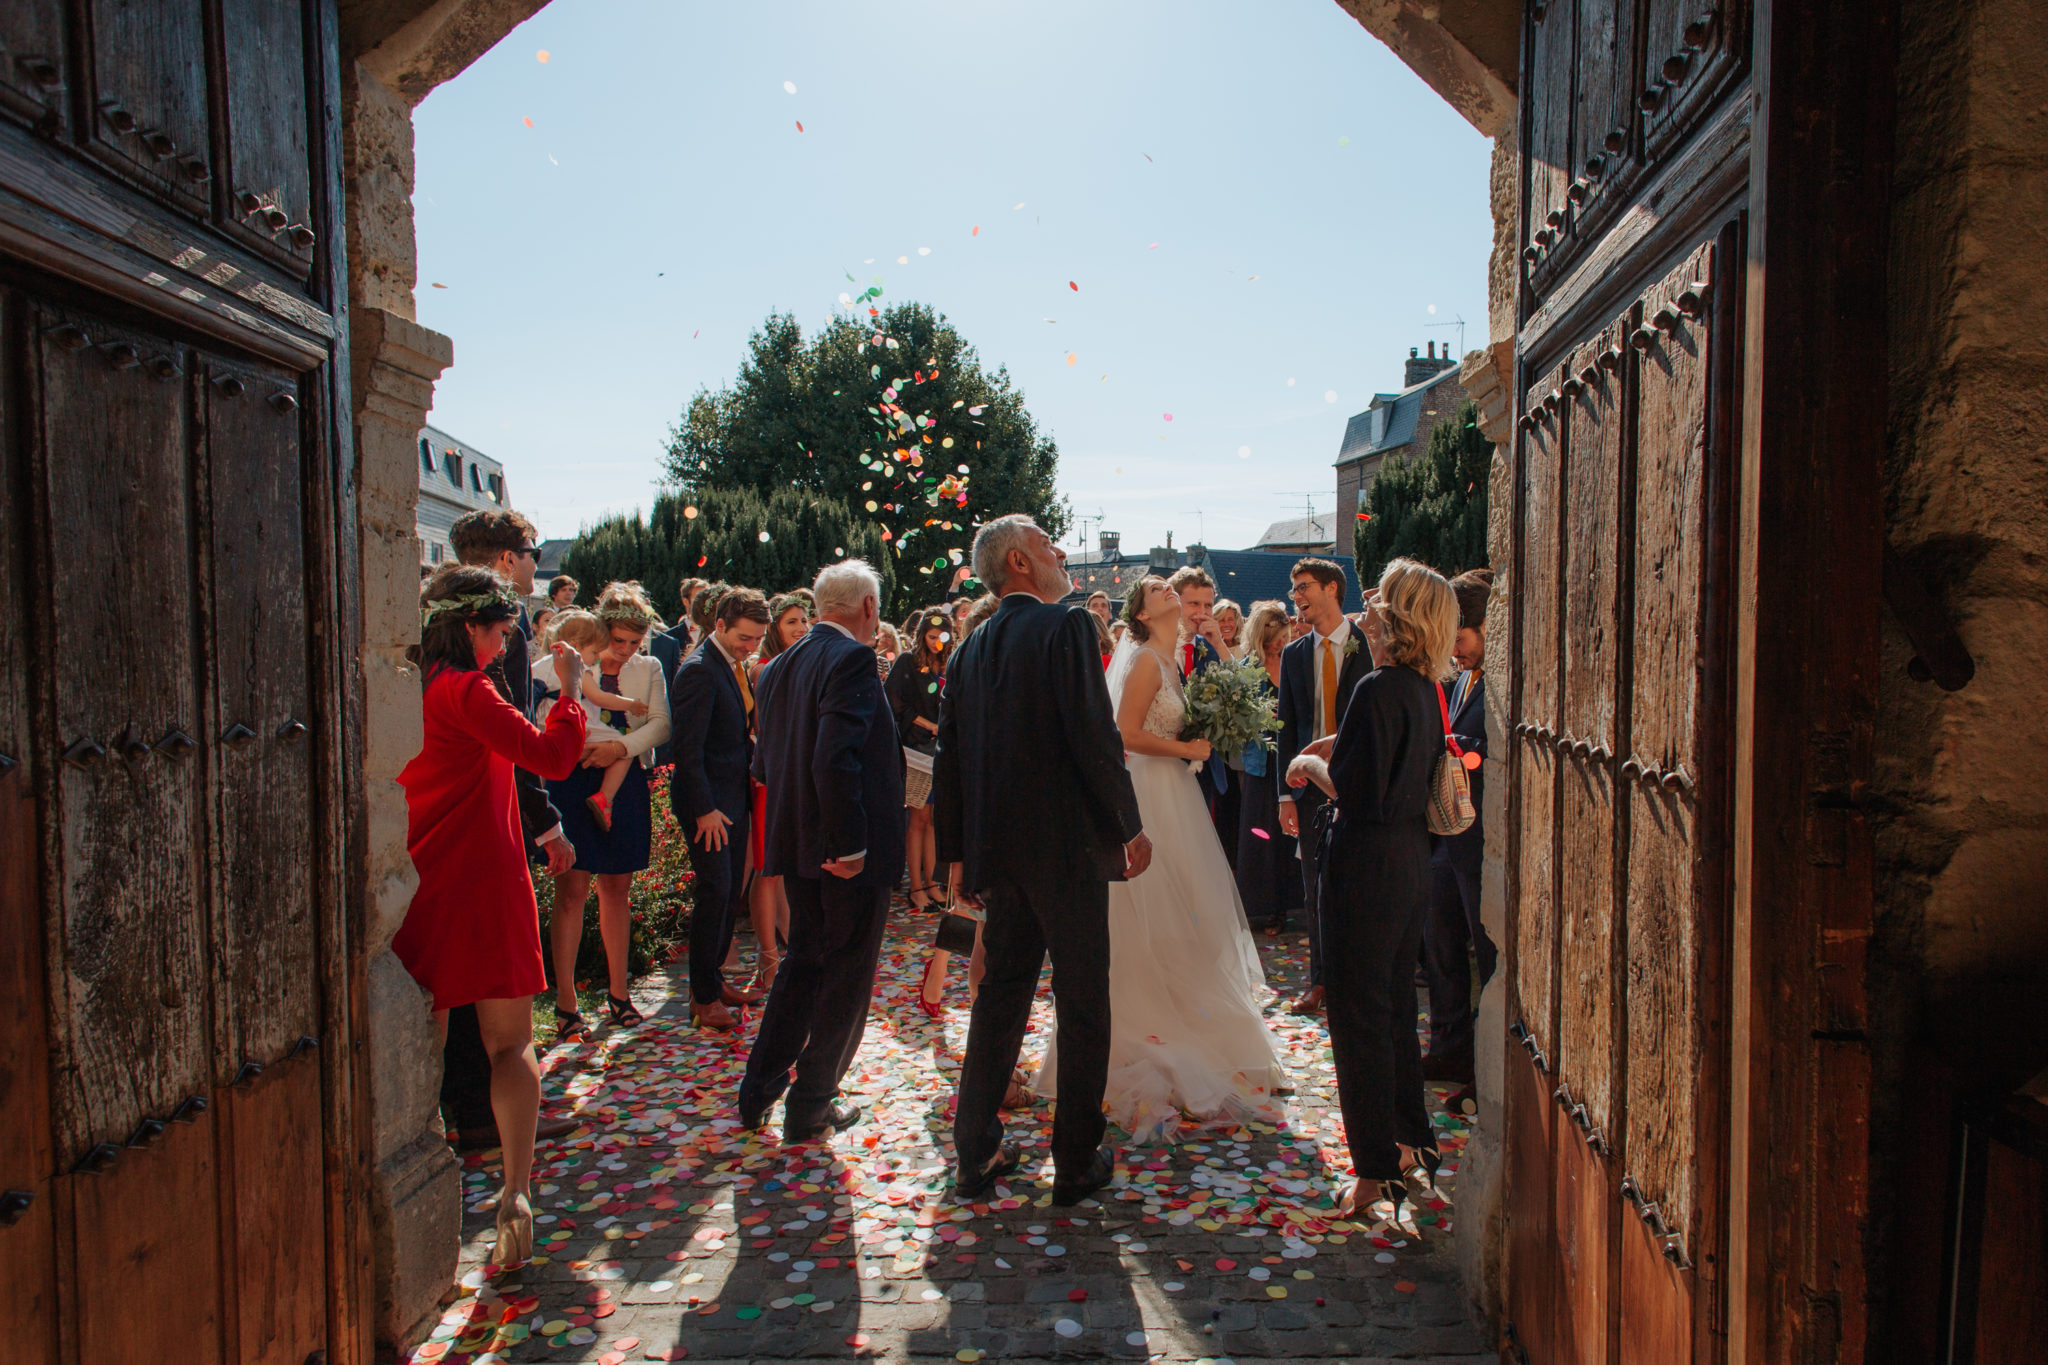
(1313, 525)
(1201, 527)
(1084, 518)
(1457, 322)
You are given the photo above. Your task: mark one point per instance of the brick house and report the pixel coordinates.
(1396, 424)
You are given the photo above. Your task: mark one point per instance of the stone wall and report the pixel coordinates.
(1960, 955)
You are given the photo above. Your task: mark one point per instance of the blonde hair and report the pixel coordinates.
(625, 604)
(1419, 616)
(1267, 619)
(578, 628)
(887, 641)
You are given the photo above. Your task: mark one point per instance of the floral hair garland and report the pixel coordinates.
(468, 604)
(625, 614)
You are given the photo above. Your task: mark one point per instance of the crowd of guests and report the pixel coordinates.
(773, 718)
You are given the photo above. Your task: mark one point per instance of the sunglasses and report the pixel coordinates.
(530, 551)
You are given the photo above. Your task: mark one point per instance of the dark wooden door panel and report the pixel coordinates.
(1533, 1310)
(1604, 101)
(27, 1234)
(269, 174)
(127, 828)
(33, 65)
(1547, 136)
(149, 90)
(1663, 1005)
(145, 1234)
(271, 1128)
(266, 920)
(1656, 1301)
(1585, 1216)
(1692, 51)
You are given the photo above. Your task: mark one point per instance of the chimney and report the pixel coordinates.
(1420, 369)
(1110, 544)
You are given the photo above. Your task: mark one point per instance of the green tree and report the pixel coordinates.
(892, 413)
(735, 535)
(1431, 507)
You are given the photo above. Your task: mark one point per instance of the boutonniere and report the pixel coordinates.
(1352, 644)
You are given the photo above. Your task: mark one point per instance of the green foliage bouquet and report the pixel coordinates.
(1230, 704)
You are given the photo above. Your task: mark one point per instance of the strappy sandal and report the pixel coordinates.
(1419, 1177)
(623, 1015)
(569, 1025)
(917, 904)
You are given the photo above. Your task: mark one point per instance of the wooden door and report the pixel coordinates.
(175, 975)
(1617, 1100)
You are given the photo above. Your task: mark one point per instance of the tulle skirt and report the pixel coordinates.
(1185, 984)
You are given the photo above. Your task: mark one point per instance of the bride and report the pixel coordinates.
(1185, 982)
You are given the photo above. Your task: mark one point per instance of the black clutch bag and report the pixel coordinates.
(956, 932)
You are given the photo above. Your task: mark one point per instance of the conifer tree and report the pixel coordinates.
(1431, 506)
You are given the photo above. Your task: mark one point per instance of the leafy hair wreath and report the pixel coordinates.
(625, 614)
(467, 605)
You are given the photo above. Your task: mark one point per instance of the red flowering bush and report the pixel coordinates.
(661, 902)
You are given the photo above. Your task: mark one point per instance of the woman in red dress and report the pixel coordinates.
(472, 934)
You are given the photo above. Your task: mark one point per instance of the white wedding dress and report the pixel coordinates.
(1185, 983)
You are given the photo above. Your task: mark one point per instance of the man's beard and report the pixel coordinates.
(1051, 582)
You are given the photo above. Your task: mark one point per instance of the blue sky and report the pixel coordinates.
(605, 263)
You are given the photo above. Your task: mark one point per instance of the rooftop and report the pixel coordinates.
(1390, 423)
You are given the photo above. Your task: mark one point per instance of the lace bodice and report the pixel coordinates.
(1169, 708)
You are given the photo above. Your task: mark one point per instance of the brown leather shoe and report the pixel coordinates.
(713, 1016)
(733, 995)
(1311, 1002)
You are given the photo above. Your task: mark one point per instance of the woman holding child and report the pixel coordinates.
(625, 701)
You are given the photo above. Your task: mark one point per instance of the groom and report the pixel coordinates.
(1035, 810)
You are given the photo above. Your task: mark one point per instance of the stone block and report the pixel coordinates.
(415, 1223)
(405, 1062)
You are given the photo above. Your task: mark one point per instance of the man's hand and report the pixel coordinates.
(844, 867)
(961, 895)
(1320, 748)
(1290, 820)
(1206, 626)
(711, 827)
(603, 754)
(561, 857)
(1137, 856)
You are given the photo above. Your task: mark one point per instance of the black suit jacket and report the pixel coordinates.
(537, 815)
(668, 647)
(827, 752)
(1215, 774)
(1298, 696)
(1028, 779)
(712, 747)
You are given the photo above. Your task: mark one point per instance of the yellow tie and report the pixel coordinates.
(746, 692)
(1329, 687)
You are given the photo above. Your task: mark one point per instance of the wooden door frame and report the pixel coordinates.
(1807, 609)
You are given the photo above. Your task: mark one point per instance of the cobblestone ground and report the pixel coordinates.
(666, 1234)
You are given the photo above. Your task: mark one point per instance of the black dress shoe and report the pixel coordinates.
(1100, 1172)
(836, 1120)
(971, 1189)
(1454, 1067)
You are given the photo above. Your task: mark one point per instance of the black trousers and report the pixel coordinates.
(466, 1073)
(1223, 813)
(1449, 936)
(1371, 943)
(721, 876)
(1307, 802)
(818, 1007)
(1071, 918)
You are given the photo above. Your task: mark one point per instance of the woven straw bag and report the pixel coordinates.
(1450, 786)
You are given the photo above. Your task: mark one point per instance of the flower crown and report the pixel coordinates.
(468, 604)
(625, 614)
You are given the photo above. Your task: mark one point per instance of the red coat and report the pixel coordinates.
(473, 930)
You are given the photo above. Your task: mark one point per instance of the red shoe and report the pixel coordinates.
(600, 810)
(933, 1009)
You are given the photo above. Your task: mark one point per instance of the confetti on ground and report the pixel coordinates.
(665, 1232)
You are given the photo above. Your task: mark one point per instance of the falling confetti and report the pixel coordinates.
(1018, 205)
(527, 121)
(439, 285)
(541, 56)
(1343, 142)
(924, 251)
(763, 536)
(1329, 395)
(799, 125)
(1167, 415)
(789, 87)
(1073, 358)
(1075, 287)
(689, 514)
(1244, 452)
(1432, 308)
(1290, 383)
(976, 232)
(1153, 247)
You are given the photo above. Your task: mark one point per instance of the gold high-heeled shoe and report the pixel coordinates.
(515, 1230)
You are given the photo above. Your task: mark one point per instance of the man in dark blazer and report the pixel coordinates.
(1317, 674)
(1035, 810)
(1200, 644)
(833, 766)
(1453, 933)
(504, 542)
(711, 707)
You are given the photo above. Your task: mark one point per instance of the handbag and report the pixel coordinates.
(1450, 787)
(956, 929)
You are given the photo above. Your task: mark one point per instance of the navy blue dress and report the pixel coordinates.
(625, 847)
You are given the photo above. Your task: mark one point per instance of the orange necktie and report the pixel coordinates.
(1329, 687)
(746, 692)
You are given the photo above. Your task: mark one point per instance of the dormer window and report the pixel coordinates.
(451, 464)
(476, 479)
(498, 488)
(426, 455)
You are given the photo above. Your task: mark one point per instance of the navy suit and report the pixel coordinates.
(1454, 926)
(1215, 774)
(713, 750)
(829, 756)
(1298, 665)
(668, 647)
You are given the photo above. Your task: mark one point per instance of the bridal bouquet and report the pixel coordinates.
(1230, 704)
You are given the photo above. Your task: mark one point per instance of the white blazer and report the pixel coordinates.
(640, 680)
